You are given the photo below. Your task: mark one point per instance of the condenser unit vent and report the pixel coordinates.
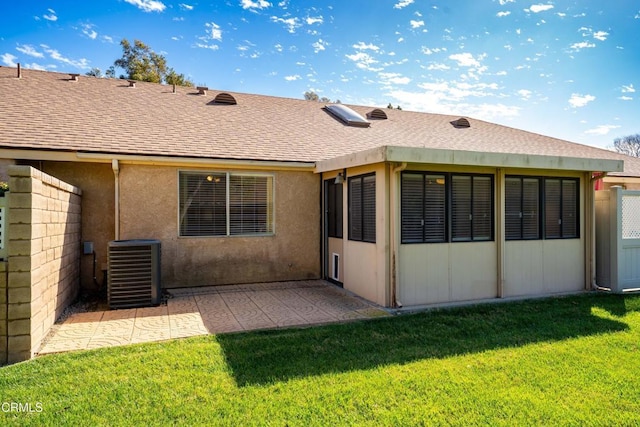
(134, 273)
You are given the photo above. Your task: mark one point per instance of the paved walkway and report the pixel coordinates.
(212, 310)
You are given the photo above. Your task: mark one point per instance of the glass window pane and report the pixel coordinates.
(482, 212)
(412, 204)
(552, 219)
(435, 208)
(461, 207)
(202, 202)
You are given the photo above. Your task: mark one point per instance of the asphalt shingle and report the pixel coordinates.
(46, 110)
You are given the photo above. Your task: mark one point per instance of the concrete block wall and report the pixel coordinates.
(43, 270)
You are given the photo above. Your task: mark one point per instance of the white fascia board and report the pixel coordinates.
(468, 158)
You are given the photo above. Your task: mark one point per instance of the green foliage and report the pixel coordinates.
(4, 187)
(559, 361)
(141, 63)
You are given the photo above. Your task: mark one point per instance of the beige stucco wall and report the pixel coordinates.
(547, 266)
(365, 264)
(44, 258)
(149, 210)
(97, 183)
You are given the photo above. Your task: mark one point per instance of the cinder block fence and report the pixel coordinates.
(40, 273)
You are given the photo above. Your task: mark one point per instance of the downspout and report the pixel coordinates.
(393, 242)
(116, 173)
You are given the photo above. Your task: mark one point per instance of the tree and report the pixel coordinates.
(629, 145)
(94, 72)
(141, 63)
(311, 96)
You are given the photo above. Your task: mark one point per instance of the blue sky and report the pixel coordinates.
(568, 69)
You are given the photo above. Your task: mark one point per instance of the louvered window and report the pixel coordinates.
(423, 212)
(424, 200)
(334, 209)
(525, 208)
(225, 204)
(362, 208)
(522, 207)
(471, 207)
(561, 208)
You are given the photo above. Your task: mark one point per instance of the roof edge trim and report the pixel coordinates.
(468, 158)
(88, 157)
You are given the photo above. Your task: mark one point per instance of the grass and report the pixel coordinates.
(559, 361)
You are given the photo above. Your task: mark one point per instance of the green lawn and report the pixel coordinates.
(559, 361)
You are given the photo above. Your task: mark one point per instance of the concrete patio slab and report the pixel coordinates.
(212, 310)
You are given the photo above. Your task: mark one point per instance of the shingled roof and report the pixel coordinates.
(50, 111)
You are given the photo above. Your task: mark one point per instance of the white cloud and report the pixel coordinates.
(186, 6)
(207, 46)
(292, 78)
(320, 45)
(402, 4)
(51, 16)
(216, 32)
(465, 59)
(35, 66)
(524, 93)
(252, 5)
(81, 63)
(537, 8)
(625, 98)
(577, 100)
(108, 39)
(278, 47)
(503, 2)
(601, 130)
(416, 24)
(87, 30)
(503, 14)
(438, 67)
(148, 5)
(430, 51)
(394, 78)
(9, 60)
(364, 61)
(29, 50)
(292, 24)
(364, 46)
(582, 45)
(600, 35)
(314, 20)
(628, 89)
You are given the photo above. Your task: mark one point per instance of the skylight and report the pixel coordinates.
(347, 115)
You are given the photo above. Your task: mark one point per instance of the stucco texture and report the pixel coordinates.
(97, 184)
(149, 210)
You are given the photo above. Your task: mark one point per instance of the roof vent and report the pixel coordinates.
(73, 77)
(377, 114)
(202, 90)
(347, 115)
(225, 98)
(461, 123)
(132, 83)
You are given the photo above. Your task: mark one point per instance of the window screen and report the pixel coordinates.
(362, 208)
(225, 204)
(522, 204)
(334, 209)
(425, 217)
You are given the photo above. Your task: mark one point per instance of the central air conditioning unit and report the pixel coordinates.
(133, 273)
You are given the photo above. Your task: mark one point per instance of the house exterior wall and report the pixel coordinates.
(366, 264)
(44, 258)
(149, 210)
(433, 273)
(546, 266)
(97, 183)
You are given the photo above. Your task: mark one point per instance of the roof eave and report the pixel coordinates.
(468, 158)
